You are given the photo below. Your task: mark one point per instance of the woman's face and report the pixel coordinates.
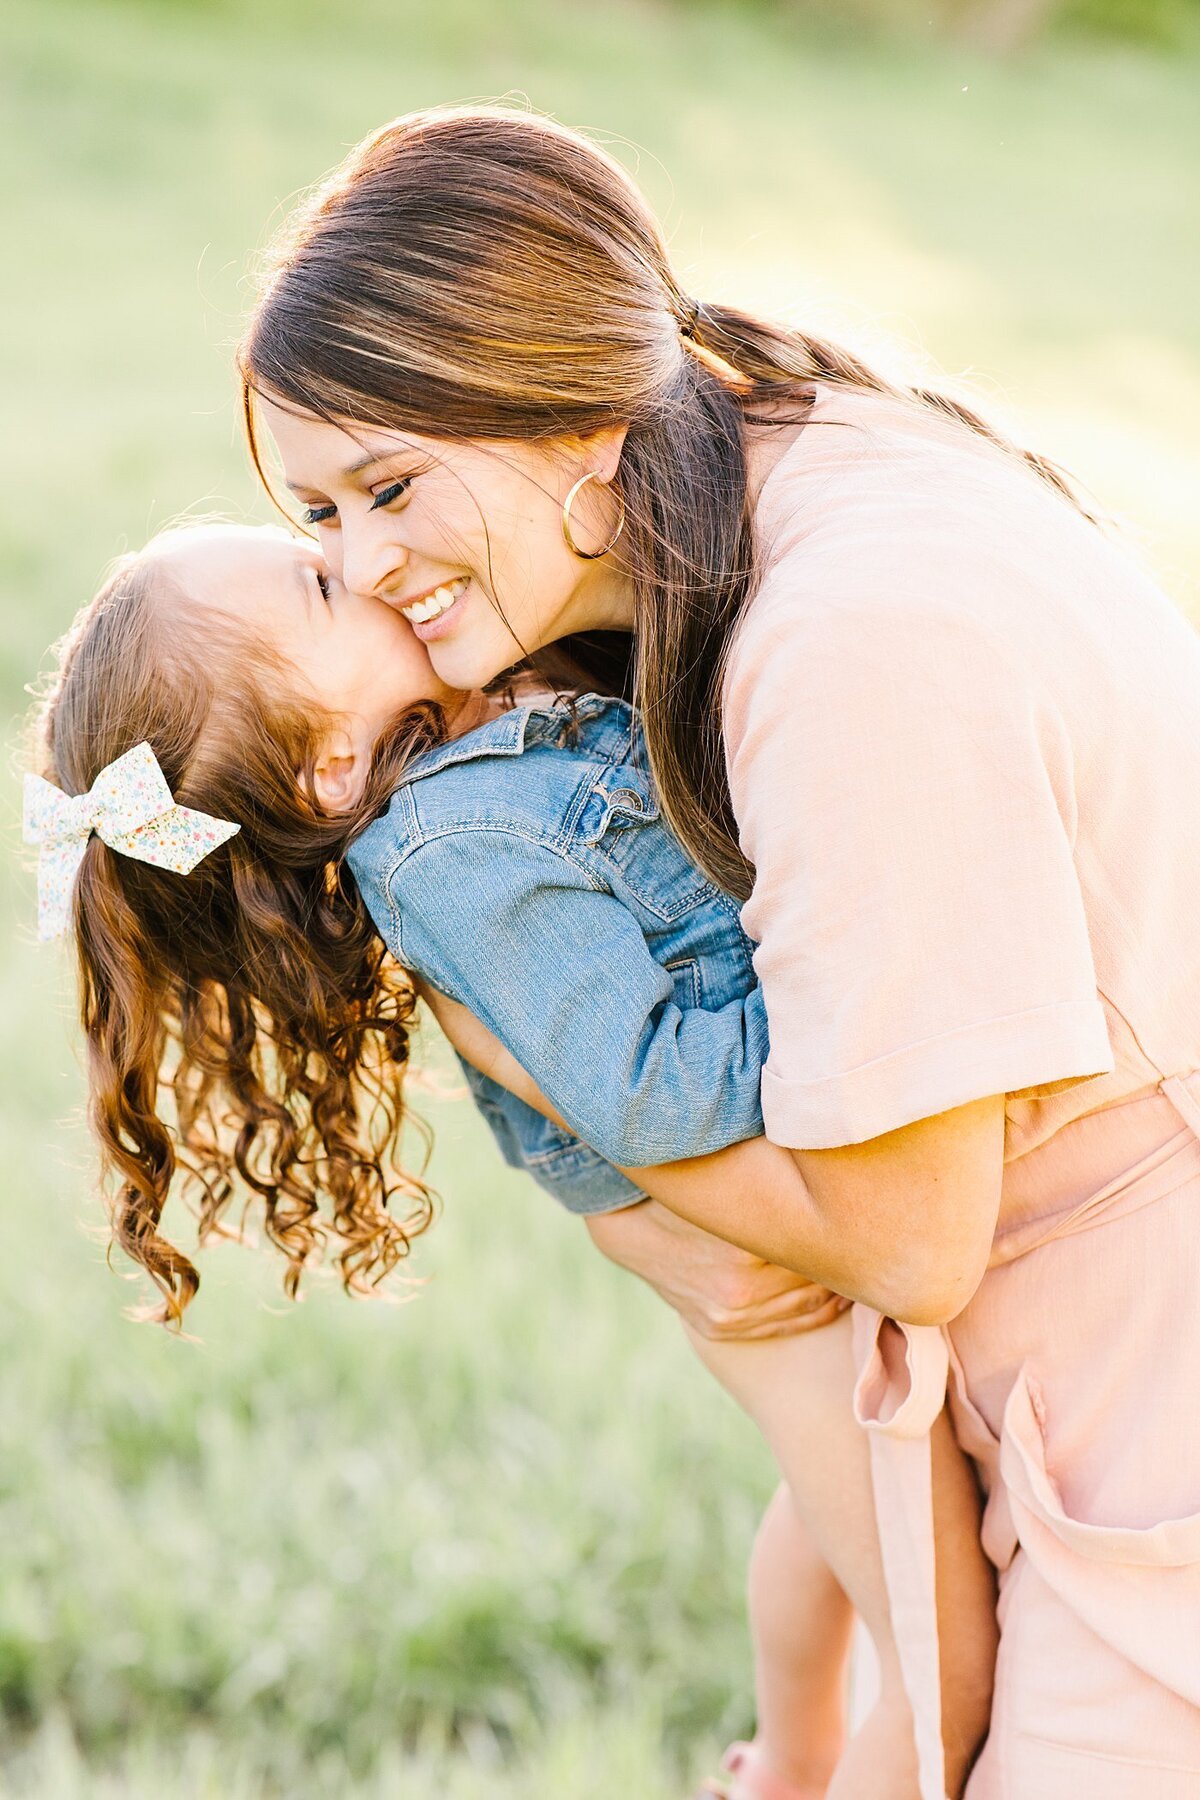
(462, 539)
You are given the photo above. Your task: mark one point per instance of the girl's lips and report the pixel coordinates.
(430, 629)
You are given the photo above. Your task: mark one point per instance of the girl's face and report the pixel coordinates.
(463, 540)
(351, 655)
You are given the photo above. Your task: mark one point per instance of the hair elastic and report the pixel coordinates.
(689, 316)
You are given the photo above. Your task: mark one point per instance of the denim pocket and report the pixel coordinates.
(645, 862)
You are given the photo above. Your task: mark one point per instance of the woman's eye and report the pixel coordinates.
(393, 491)
(317, 515)
(323, 584)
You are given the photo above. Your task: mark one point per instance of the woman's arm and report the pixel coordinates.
(719, 1289)
(904, 1222)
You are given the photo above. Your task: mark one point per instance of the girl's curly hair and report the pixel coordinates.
(244, 1024)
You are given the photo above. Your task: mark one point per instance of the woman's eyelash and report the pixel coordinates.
(393, 491)
(323, 584)
(320, 515)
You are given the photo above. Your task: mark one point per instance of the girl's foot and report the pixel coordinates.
(751, 1779)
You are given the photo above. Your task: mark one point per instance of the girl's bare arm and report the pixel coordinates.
(904, 1222)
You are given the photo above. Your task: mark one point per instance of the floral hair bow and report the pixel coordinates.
(130, 808)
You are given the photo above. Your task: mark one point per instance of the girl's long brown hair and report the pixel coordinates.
(244, 1025)
(486, 273)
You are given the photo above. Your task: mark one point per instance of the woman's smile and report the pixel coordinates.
(429, 613)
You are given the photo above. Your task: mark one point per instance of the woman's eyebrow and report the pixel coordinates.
(386, 453)
(352, 469)
(364, 462)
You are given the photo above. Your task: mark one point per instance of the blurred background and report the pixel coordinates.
(490, 1541)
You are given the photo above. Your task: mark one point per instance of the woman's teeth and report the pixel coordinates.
(440, 601)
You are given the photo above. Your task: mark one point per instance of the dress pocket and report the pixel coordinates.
(1137, 1588)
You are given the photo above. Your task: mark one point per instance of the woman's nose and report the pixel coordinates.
(373, 563)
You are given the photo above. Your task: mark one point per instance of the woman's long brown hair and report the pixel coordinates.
(485, 273)
(245, 1028)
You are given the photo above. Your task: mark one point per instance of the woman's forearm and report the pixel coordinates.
(753, 1195)
(904, 1223)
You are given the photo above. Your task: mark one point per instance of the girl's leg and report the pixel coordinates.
(798, 1390)
(801, 1623)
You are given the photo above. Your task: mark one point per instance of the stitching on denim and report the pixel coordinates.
(690, 964)
(599, 766)
(494, 828)
(579, 1155)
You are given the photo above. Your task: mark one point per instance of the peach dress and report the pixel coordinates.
(963, 735)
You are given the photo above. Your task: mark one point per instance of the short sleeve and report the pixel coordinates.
(906, 794)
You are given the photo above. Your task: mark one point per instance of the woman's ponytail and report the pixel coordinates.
(772, 357)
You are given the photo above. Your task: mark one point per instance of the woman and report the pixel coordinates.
(902, 695)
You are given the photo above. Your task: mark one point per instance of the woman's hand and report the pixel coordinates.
(720, 1291)
(903, 1222)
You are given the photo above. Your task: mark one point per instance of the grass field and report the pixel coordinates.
(490, 1542)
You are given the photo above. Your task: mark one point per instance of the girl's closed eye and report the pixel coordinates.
(318, 515)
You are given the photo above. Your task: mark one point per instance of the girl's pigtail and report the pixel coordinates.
(123, 1016)
(246, 1029)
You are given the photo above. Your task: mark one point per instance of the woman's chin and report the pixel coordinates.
(470, 667)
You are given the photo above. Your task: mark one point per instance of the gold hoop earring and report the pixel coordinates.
(572, 546)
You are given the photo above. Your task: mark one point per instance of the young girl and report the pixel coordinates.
(228, 724)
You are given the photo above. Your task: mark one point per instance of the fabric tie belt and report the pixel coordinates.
(902, 1376)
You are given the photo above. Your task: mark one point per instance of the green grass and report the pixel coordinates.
(490, 1542)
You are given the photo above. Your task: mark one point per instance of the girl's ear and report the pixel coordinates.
(340, 772)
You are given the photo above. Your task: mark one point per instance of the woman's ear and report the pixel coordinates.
(602, 450)
(340, 772)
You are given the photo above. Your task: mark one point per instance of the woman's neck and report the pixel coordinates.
(767, 443)
(604, 598)
(476, 709)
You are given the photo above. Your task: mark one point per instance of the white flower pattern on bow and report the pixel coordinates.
(129, 806)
